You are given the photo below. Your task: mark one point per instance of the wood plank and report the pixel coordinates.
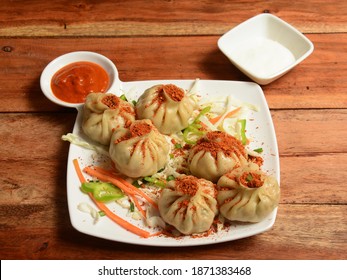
(37, 158)
(41, 184)
(34, 137)
(38, 187)
(300, 232)
(37, 136)
(314, 179)
(318, 82)
(157, 18)
(310, 131)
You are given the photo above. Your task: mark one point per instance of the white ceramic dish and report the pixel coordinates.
(265, 47)
(61, 61)
(259, 128)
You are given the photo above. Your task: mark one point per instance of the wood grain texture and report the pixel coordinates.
(318, 82)
(170, 39)
(294, 236)
(37, 136)
(33, 194)
(34, 161)
(34, 137)
(300, 131)
(158, 18)
(42, 183)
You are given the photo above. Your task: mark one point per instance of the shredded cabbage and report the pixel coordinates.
(131, 95)
(209, 125)
(74, 139)
(193, 89)
(234, 125)
(86, 208)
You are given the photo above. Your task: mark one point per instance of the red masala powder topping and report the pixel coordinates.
(183, 203)
(175, 93)
(251, 180)
(111, 101)
(125, 109)
(218, 141)
(257, 160)
(140, 128)
(187, 185)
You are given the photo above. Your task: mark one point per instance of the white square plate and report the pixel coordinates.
(259, 128)
(265, 47)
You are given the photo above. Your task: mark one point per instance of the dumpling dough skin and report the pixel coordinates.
(167, 107)
(189, 204)
(104, 112)
(247, 198)
(140, 150)
(215, 154)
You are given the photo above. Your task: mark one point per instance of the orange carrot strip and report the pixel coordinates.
(141, 193)
(124, 224)
(78, 171)
(115, 178)
(125, 188)
(228, 115)
(109, 172)
(107, 178)
(138, 206)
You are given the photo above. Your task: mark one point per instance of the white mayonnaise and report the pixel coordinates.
(262, 57)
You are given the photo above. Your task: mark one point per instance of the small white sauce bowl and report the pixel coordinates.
(265, 47)
(61, 61)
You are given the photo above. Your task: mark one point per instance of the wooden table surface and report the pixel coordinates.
(171, 40)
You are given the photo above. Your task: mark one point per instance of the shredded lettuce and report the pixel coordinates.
(74, 139)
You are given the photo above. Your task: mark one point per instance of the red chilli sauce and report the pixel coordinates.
(75, 81)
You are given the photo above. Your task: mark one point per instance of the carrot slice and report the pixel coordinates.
(124, 224)
(228, 115)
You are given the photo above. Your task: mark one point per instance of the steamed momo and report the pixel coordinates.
(215, 154)
(140, 150)
(104, 112)
(247, 194)
(167, 106)
(189, 204)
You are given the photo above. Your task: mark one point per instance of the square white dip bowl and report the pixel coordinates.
(265, 47)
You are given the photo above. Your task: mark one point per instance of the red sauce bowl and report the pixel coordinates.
(77, 58)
